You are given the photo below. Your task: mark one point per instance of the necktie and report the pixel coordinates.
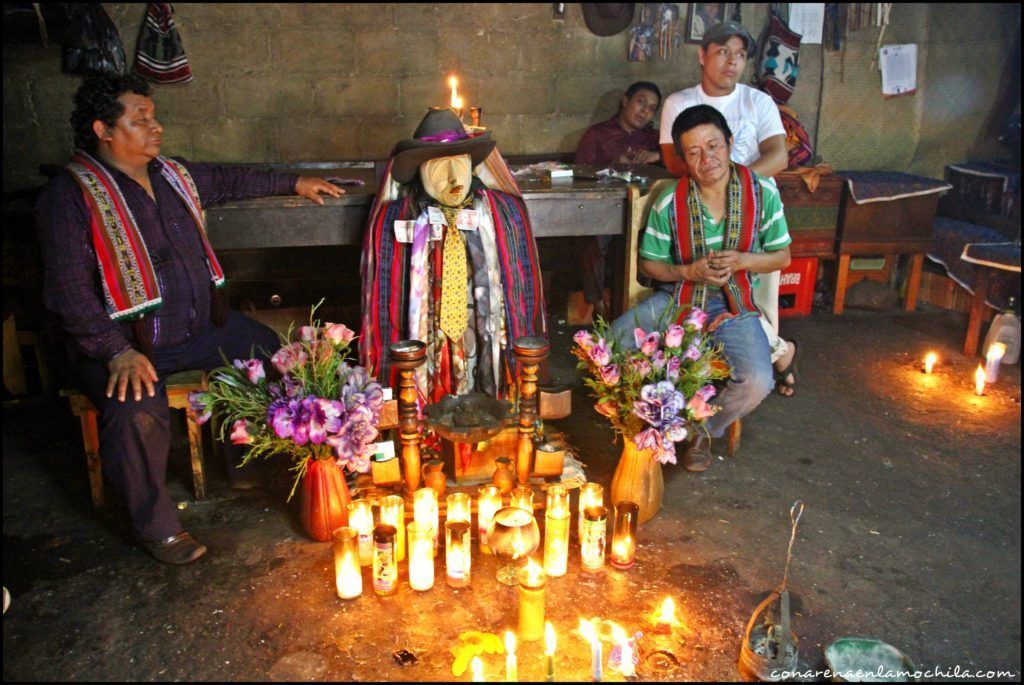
(453, 280)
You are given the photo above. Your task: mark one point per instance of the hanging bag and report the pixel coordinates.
(779, 63)
(93, 46)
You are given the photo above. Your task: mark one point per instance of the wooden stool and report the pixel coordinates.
(179, 385)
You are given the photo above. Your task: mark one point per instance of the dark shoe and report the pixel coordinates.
(697, 457)
(177, 549)
(782, 378)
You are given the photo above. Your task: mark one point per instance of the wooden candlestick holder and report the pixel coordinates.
(529, 352)
(407, 356)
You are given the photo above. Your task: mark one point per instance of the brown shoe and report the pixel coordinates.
(697, 457)
(177, 549)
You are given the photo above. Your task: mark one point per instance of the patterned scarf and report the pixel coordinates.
(126, 272)
(743, 223)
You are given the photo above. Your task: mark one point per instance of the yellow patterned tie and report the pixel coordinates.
(453, 281)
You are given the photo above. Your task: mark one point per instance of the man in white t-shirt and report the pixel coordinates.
(759, 142)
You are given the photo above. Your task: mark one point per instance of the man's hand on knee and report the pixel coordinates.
(131, 366)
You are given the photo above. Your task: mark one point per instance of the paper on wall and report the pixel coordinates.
(899, 69)
(807, 19)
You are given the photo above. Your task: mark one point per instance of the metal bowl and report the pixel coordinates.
(469, 418)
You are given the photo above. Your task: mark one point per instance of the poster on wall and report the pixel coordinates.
(899, 69)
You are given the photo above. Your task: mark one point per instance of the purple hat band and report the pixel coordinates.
(445, 137)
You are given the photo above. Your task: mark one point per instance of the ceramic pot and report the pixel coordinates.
(433, 476)
(638, 479)
(504, 475)
(325, 499)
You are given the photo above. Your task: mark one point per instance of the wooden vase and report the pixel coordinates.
(638, 479)
(325, 499)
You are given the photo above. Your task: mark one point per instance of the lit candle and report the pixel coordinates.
(591, 495)
(424, 510)
(556, 531)
(992, 359)
(453, 83)
(532, 580)
(488, 503)
(627, 514)
(360, 517)
(392, 512)
(929, 362)
(666, 619)
(348, 578)
(549, 652)
(511, 672)
(624, 662)
(590, 635)
(421, 556)
(457, 556)
(522, 497)
(477, 668)
(459, 507)
(979, 381)
(595, 532)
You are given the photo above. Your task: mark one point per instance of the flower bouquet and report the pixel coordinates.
(311, 406)
(653, 396)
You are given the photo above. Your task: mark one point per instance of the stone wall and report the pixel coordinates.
(304, 82)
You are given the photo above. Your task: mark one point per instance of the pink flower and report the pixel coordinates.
(641, 366)
(240, 433)
(658, 359)
(338, 333)
(649, 439)
(672, 368)
(696, 318)
(609, 409)
(692, 352)
(674, 335)
(699, 407)
(600, 354)
(610, 374)
(651, 343)
(307, 334)
(639, 335)
(253, 369)
(289, 356)
(584, 339)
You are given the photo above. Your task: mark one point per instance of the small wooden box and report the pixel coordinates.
(482, 455)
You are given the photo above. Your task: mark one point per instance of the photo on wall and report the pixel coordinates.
(704, 15)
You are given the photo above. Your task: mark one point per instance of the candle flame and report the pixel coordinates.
(929, 362)
(533, 572)
(668, 611)
(510, 642)
(477, 669)
(549, 639)
(979, 380)
(453, 82)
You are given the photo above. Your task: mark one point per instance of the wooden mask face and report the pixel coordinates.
(447, 179)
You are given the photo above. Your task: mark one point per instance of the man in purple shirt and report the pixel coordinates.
(117, 131)
(627, 138)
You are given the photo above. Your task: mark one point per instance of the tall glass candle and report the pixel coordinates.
(591, 495)
(522, 497)
(627, 514)
(459, 507)
(993, 358)
(532, 581)
(556, 531)
(592, 543)
(424, 510)
(421, 556)
(348, 577)
(385, 563)
(487, 503)
(392, 512)
(457, 553)
(360, 517)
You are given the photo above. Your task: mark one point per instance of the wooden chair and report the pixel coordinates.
(179, 385)
(639, 207)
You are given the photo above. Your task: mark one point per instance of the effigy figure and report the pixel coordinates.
(449, 258)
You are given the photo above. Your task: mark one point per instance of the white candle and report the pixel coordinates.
(625, 667)
(360, 517)
(488, 503)
(589, 634)
(511, 672)
(459, 507)
(929, 362)
(421, 556)
(992, 359)
(549, 652)
(348, 578)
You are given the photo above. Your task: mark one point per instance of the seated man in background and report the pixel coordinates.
(626, 138)
(704, 238)
(130, 273)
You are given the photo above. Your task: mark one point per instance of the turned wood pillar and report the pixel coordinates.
(407, 356)
(529, 352)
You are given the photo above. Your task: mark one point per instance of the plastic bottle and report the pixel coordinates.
(1005, 328)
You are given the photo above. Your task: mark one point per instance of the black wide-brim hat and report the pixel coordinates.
(440, 134)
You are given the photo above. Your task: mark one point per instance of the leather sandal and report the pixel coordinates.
(697, 457)
(781, 376)
(178, 549)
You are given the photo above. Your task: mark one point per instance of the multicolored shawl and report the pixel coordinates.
(743, 224)
(126, 272)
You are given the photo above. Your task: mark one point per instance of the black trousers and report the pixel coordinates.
(135, 436)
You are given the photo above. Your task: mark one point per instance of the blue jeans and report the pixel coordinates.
(743, 342)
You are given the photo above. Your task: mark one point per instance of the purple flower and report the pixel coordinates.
(239, 433)
(660, 404)
(651, 343)
(649, 439)
(253, 369)
(600, 354)
(584, 339)
(289, 419)
(198, 402)
(658, 359)
(610, 374)
(674, 335)
(692, 352)
(696, 318)
(676, 432)
(672, 368)
(324, 417)
(288, 357)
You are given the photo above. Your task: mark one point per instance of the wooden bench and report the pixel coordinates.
(179, 385)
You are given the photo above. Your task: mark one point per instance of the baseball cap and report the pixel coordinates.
(720, 33)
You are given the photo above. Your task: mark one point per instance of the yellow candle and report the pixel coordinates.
(424, 510)
(392, 512)
(929, 362)
(979, 381)
(360, 517)
(488, 503)
(591, 495)
(556, 531)
(511, 672)
(477, 669)
(421, 556)
(348, 578)
(459, 507)
(532, 581)
(549, 652)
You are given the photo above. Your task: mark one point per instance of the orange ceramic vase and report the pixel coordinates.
(638, 479)
(325, 499)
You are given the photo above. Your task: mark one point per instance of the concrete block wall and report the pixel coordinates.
(318, 82)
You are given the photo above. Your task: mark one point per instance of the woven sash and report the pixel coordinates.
(130, 288)
(743, 223)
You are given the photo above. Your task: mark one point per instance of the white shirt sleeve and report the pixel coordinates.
(669, 111)
(769, 122)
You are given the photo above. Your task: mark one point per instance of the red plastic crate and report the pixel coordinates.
(796, 287)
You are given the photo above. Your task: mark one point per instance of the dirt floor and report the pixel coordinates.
(911, 535)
